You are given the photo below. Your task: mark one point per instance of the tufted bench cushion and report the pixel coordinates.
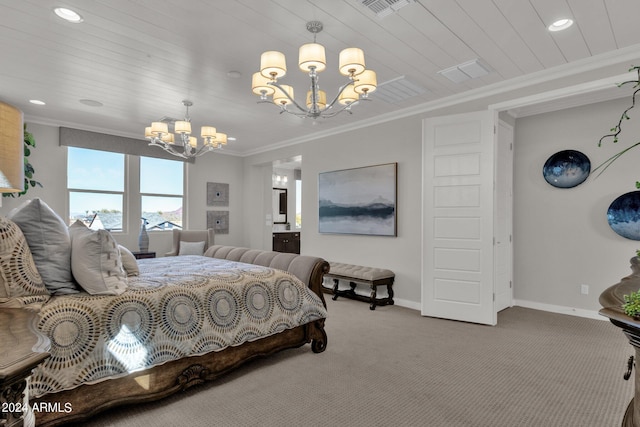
(373, 276)
(368, 274)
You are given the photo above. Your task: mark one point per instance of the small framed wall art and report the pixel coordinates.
(219, 221)
(217, 194)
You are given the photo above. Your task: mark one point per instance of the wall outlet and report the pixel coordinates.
(584, 289)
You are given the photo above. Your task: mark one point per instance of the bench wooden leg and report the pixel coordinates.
(390, 291)
(374, 293)
(335, 289)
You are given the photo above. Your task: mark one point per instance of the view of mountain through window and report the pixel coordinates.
(96, 182)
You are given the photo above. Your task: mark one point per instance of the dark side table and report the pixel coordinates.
(142, 255)
(22, 348)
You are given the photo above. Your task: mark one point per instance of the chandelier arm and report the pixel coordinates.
(205, 148)
(156, 142)
(346, 108)
(276, 84)
(340, 90)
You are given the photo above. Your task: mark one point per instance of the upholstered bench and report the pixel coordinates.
(374, 277)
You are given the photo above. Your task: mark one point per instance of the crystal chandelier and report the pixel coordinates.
(361, 82)
(181, 143)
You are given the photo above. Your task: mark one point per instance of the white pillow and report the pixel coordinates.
(95, 261)
(129, 262)
(191, 248)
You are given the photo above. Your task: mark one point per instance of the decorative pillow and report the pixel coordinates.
(48, 238)
(19, 277)
(191, 248)
(95, 261)
(129, 262)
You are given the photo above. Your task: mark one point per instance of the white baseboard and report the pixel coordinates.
(560, 309)
(590, 314)
(408, 304)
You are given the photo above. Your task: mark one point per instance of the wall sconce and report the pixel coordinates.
(11, 149)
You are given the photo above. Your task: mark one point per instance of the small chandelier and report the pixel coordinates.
(186, 146)
(312, 60)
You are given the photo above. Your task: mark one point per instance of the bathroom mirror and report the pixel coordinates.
(279, 204)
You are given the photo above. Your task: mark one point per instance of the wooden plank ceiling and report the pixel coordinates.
(141, 58)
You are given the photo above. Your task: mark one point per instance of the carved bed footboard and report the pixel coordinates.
(171, 377)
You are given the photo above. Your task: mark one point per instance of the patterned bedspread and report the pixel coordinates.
(179, 306)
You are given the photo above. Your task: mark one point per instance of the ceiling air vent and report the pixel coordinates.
(167, 119)
(398, 90)
(465, 71)
(382, 8)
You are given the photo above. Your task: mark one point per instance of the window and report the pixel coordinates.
(161, 193)
(95, 181)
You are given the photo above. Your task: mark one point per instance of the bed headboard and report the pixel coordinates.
(309, 269)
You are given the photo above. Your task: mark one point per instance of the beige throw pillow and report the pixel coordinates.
(129, 261)
(95, 261)
(19, 277)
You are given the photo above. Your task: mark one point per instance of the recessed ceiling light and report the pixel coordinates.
(561, 24)
(91, 103)
(68, 15)
(37, 102)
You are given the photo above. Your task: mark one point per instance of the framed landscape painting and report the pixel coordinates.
(358, 201)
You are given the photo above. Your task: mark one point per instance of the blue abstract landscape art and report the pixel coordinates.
(358, 201)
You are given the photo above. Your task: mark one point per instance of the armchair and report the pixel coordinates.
(191, 236)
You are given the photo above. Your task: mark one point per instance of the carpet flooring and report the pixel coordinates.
(393, 367)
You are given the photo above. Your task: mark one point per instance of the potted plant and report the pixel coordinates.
(631, 304)
(29, 143)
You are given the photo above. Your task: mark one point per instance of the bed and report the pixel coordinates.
(180, 321)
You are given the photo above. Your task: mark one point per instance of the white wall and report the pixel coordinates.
(216, 167)
(561, 236)
(397, 141)
(49, 160)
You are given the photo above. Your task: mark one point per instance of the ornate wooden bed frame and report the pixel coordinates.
(171, 377)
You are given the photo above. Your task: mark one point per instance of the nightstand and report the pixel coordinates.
(23, 348)
(142, 255)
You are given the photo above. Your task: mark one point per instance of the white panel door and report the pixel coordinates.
(458, 208)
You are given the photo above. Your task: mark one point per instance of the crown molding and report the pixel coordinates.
(597, 62)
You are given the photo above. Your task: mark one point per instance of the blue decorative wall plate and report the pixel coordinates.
(624, 215)
(566, 169)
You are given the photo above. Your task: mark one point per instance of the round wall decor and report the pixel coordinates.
(624, 215)
(566, 169)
